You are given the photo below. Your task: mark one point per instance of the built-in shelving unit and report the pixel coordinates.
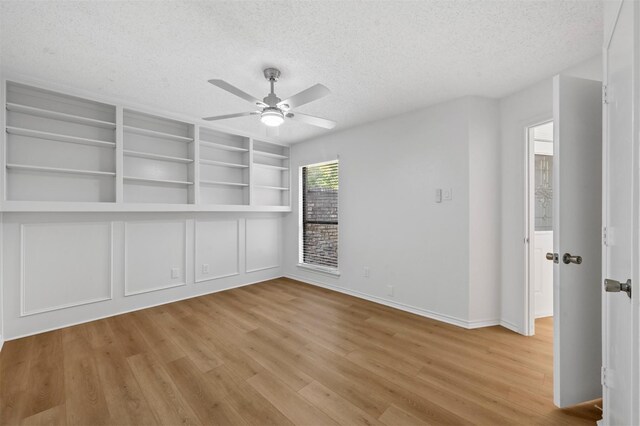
(224, 168)
(270, 174)
(158, 159)
(55, 147)
(67, 153)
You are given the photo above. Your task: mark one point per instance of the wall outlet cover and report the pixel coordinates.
(366, 272)
(205, 268)
(447, 194)
(175, 272)
(438, 195)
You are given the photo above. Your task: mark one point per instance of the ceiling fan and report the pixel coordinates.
(273, 110)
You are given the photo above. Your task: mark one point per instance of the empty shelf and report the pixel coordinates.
(277, 188)
(167, 181)
(269, 154)
(45, 113)
(58, 137)
(269, 166)
(59, 170)
(223, 146)
(223, 164)
(160, 157)
(156, 134)
(215, 182)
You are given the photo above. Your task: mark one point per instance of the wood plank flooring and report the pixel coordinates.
(280, 353)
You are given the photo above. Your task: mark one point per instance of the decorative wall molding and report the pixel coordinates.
(247, 246)
(23, 265)
(195, 251)
(127, 292)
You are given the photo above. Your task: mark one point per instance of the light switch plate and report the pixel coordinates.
(438, 195)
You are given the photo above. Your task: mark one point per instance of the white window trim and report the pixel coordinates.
(320, 269)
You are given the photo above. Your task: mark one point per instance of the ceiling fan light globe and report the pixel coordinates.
(272, 117)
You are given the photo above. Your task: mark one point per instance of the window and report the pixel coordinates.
(319, 216)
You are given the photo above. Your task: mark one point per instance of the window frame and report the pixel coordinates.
(301, 264)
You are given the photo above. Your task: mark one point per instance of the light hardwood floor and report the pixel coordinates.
(280, 352)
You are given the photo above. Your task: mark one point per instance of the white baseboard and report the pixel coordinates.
(401, 306)
(510, 326)
(84, 321)
(1, 342)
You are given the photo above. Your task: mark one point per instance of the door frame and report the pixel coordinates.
(635, 264)
(529, 224)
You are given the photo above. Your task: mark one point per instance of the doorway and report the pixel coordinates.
(539, 210)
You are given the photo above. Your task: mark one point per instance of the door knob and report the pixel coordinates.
(552, 256)
(613, 286)
(567, 259)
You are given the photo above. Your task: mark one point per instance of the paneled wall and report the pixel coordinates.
(66, 268)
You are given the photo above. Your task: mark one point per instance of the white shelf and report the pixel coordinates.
(215, 182)
(269, 166)
(59, 170)
(223, 164)
(109, 206)
(269, 154)
(276, 188)
(153, 180)
(222, 146)
(149, 155)
(156, 134)
(58, 137)
(45, 113)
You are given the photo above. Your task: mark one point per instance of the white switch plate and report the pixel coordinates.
(366, 272)
(447, 194)
(205, 268)
(175, 272)
(438, 195)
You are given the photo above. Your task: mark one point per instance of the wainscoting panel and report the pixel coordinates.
(262, 244)
(217, 249)
(154, 255)
(64, 265)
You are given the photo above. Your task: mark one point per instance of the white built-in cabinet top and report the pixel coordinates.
(66, 153)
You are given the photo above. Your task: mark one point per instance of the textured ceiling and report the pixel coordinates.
(379, 58)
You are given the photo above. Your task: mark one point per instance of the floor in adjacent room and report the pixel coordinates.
(280, 352)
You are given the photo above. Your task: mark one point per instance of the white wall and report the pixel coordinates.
(484, 210)
(518, 111)
(389, 220)
(66, 268)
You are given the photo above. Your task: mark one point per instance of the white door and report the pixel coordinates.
(577, 224)
(618, 220)
(543, 275)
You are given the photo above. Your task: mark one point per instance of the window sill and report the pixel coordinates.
(320, 269)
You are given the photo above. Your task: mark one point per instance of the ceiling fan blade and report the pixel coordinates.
(310, 119)
(235, 91)
(311, 94)
(224, 117)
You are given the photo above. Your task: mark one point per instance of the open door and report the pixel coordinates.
(620, 366)
(577, 224)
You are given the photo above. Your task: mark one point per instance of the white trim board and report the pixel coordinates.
(402, 307)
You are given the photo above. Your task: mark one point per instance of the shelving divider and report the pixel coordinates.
(119, 181)
(196, 164)
(5, 143)
(251, 183)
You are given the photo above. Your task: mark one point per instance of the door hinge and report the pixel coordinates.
(605, 97)
(603, 376)
(604, 236)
